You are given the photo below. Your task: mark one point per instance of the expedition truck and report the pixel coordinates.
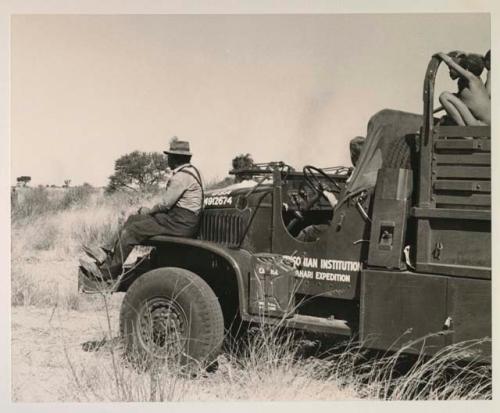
(404, 254)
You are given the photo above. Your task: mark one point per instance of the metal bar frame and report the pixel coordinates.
(426, 210)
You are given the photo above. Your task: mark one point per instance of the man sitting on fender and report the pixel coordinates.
(177, 215)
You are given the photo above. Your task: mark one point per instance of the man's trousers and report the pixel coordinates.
(177, 222)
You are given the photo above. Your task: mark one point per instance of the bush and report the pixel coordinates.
(30, 202)
(47, 238)
(76, 196)
(27, 290)
(35, 202)
(97, 228)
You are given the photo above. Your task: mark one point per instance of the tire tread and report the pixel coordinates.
(208, 307)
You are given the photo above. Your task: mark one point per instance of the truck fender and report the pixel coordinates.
(239, 260)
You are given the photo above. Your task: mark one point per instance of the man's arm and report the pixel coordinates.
(175, 188)
(331, 198)
(455, 66)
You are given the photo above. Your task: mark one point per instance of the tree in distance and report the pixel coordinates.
(67, 183)
(242, 162)
(23, 180)
(138, 171)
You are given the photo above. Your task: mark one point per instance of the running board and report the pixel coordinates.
(305, 322)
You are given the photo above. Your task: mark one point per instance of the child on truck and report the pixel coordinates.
(487, 65)
(471, 105)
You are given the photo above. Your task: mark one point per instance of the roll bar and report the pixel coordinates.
(431, 131)
(424, 195)
(429, 81)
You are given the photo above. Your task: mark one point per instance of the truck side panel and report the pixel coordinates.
(400, 307)
(469, 307)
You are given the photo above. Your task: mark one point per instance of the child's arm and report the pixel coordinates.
(488, 83)
(454, 65)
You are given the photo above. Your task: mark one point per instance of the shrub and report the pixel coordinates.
(77, 196)
(96, 227)
(27, 290)
(47, 237)
(30, 202)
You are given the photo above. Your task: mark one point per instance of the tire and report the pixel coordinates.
(402, 153)
(171, 311)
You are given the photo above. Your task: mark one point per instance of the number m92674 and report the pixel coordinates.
(218, 201)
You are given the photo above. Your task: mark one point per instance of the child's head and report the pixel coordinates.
(486, 59)
(457, 56)
(474, 63)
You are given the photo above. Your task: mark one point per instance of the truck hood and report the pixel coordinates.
(226, 197)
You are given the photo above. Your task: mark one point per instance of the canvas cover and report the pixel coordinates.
(383, 128)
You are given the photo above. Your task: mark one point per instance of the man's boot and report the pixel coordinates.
(98, 254)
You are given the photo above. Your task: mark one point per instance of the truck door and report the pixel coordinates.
(331, 265)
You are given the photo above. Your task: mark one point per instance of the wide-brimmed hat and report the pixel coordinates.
(178, 148)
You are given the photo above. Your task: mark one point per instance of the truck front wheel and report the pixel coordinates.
(171, 312)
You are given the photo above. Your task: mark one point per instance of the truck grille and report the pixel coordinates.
(223, 227)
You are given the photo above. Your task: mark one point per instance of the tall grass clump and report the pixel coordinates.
(455, 372)
(25, 290)
(49, 227)
(39, 201)
(69, 218)
(47, 238)
(269, 364)
(78, 196)
(31, 202)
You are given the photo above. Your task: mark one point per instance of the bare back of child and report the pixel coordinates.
(472, 104)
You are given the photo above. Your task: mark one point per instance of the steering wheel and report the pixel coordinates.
(313, 180)
(310, 175)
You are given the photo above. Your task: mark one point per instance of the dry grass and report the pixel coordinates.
(269, 364)
(266, 365)
(47, 241)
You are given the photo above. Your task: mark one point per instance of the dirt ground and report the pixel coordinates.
(45, 341)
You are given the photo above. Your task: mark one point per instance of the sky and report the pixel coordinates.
(86, 89)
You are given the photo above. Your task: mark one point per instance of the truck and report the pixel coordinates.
(405, 253)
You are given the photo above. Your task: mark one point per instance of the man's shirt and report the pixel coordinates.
(183, 190)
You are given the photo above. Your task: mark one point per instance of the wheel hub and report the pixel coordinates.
(162, 326)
